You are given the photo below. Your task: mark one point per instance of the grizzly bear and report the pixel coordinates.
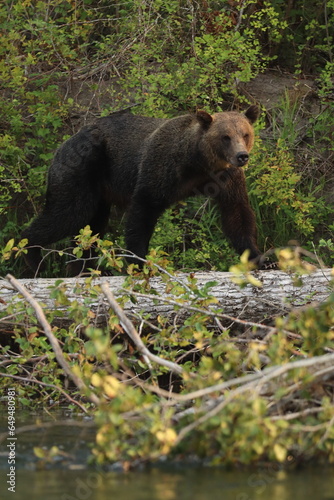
(147, 164)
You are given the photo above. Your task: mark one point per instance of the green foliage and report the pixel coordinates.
(168, 58)
(187, 72)
(191, 235)
(212, 410)
(285, 210)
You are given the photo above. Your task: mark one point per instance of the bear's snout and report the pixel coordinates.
(242, 158)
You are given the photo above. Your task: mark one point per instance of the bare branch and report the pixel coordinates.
(44, 384)
(255, 386)
(133, 334)
(52, 339)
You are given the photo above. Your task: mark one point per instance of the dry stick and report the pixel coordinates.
(256, 385)
(211, 413)
(200, 310)
(296, 414)
(31, 360)
(263, 376)
(133, 334)
(52, 339)
(251, 381)
(247, 383)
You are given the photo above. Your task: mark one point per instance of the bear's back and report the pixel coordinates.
(123, 136)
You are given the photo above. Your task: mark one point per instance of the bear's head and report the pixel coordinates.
(228, 137)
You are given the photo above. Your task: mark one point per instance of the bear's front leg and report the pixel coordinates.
(238, 218)
(141, 221)
(239, 226)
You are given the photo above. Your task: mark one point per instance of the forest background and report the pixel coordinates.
(64, 63)
(233, 390)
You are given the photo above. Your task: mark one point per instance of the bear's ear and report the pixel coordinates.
(204, 118)
(252, 113)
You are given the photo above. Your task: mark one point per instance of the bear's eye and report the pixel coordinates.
(246, 137)
(226, 138)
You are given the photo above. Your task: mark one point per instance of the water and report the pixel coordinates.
(162, 484)
(69, 478)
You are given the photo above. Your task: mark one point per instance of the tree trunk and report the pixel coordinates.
(278, 294)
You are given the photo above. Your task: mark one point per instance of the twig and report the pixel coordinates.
(315, 428)
(211, 413)
(255, 385)
(252, 381)
(44, 384)
(52, 339)
(237, 26)
(31, 360)
(188, 307)
(125, 254)
(133, 334)
(297, 414)
(265, 375)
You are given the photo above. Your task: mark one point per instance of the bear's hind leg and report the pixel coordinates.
(98, 225)
(55, 223)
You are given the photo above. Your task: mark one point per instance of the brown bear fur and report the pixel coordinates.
(147, 164)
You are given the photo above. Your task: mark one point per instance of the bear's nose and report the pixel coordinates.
(242, 158)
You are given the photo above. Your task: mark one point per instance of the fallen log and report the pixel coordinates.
(278, 294)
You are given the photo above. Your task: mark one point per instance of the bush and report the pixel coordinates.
(188, 385)
(167, 59)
